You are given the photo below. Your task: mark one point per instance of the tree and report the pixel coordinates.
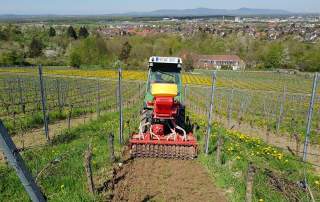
(170, 51)
(83, 32)
(188, 63)
(35, 48)
(89, 51)
(52, 32)
(71, 33)
(3, 35)
(75, 59)
(272, 59)
(12, 57)
(285, 58)
(311, 61)
(125, 52)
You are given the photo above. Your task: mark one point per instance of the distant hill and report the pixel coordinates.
(159, 13)
(208, 12)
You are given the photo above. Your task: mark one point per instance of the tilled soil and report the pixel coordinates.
(150, 179)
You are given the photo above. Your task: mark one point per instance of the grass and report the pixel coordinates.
(238, 151)
(65, 181)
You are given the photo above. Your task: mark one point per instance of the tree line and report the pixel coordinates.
(84, 47)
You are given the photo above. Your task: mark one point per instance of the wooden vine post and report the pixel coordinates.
(69, 116)
(219, 147)
(249, 183)
(88, 169)
(111, 147)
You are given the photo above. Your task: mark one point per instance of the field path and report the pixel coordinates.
(165, 180)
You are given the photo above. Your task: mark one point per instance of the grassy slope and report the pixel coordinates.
(238, 151)
(65, 181)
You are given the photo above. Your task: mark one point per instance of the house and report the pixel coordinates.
(233, 62)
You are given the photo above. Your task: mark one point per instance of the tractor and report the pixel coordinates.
(163, 130)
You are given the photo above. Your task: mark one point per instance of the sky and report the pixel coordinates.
(86, 7)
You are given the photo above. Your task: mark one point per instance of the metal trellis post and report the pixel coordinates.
(281, 110)
(210, 113)
(309, 122)
(230, 106)
(16, 161)
(59, 95)
(98, 99)
(44, 110)
(21, 100)
(120, 107)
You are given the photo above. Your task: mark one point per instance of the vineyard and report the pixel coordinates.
(259, 129)
(21, 104)
(263, 81)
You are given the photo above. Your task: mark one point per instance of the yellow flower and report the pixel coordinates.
(317, 182)
(261, 200)
(238, 157)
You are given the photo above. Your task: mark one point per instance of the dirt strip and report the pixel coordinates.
(150, 179)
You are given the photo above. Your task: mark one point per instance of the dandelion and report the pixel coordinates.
(261, 200)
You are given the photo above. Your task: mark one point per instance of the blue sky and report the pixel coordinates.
(118, 6)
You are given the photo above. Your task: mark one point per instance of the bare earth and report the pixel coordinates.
(165, 180)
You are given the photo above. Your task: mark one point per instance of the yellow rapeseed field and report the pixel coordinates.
(111, 74)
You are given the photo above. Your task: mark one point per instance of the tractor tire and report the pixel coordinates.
(181, 117)
(145, 118)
